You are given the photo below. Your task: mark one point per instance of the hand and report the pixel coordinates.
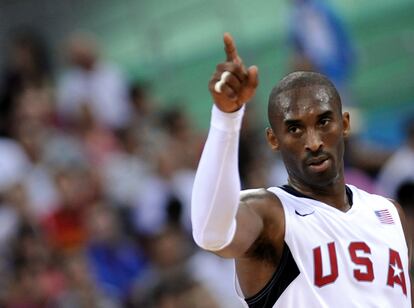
(236, 87)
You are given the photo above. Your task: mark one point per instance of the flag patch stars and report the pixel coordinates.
(384, 216)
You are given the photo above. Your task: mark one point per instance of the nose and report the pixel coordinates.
(313, 141)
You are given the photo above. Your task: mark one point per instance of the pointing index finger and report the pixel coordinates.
(230, 48)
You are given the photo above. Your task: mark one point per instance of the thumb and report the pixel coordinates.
(252, 77)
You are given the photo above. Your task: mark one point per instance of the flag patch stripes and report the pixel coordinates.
(384, 216)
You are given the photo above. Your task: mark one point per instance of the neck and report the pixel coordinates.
(333, 194)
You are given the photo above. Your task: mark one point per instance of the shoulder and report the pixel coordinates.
(370, 199)
(399, 208)
(268, 206)
(378, 202)
(257, 194)
(261, 200)
(404, 225)
(401, 214)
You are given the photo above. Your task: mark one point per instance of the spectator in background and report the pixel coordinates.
(183, 142)
(38, 274)
(405, 197)
(181, 292)
(165, 193)
(28, 70)
(125, 171)
(65, 227)
(181, 277)
(142, 103)
(13, 165)
(253, 159)
(81, 291)
(115, 261)
(320, 42)
(32, 129)
(158, 202)
(90, 81)
(400, 167)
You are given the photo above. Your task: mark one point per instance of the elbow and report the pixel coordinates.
(213, 240)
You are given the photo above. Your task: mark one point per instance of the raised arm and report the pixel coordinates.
(219, 223)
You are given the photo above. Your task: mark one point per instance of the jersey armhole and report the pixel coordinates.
(286, 272)
(286, 211)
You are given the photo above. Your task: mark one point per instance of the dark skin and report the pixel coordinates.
(308, 129)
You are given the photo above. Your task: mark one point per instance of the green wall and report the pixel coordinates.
(177, 44)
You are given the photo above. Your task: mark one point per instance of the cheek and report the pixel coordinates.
(334, 142)
(291, 143)
(292, 152)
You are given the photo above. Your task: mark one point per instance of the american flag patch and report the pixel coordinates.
(384, 216)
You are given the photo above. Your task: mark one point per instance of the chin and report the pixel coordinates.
(322, 179)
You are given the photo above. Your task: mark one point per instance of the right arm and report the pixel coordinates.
(221, 222)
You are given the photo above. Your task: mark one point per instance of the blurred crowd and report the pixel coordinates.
(95, 188)
(96, 179)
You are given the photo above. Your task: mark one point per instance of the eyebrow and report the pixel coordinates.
(292, 122)
(328, 113)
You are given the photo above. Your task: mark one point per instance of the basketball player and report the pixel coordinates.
(315, 242)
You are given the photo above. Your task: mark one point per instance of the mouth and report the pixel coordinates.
(318, 164)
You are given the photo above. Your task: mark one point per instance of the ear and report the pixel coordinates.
(271, 139)
(346, 124)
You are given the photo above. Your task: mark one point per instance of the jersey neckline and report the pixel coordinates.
(292, 191)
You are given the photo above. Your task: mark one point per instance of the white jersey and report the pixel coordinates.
(331, 258)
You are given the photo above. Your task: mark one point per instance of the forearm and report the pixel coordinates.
(216, 187)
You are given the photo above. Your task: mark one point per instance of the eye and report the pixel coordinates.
(324, 121)
(293, 129)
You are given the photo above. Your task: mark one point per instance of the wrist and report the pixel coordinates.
(227, 121)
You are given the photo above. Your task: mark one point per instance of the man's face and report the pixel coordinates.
(309, 131)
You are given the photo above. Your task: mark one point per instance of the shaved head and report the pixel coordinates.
(287, 89)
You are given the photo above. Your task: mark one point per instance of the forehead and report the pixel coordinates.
(300, 102)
